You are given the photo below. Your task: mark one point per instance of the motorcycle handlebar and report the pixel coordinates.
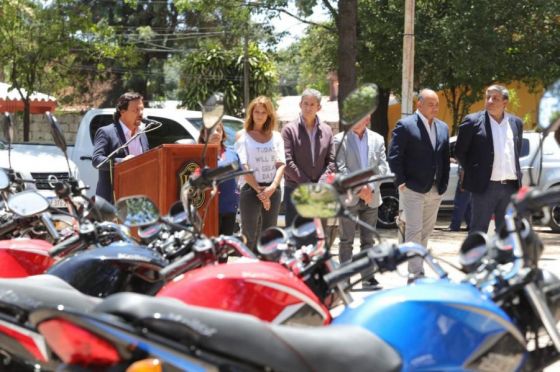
(359, 178)
(207, 176)
(535, 200)
(184, 264)
(345, 182)
(347, 271)
(383, 257)
(64, 246)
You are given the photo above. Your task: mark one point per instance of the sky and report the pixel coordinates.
(295, 28)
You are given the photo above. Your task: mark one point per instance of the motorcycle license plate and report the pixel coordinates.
(57, 203)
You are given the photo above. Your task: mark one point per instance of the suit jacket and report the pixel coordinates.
(474, 149)
(108, 139)
(413, 159)
(348, 160)
(299, 167)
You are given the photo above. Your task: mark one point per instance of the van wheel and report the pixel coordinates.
(554, 223)
(389, 210)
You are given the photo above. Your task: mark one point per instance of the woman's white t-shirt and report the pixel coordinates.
(261, 157)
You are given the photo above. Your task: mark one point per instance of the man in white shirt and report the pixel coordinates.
(488, 147)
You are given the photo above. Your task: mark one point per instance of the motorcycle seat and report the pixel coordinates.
(37, 291)
(244, 337)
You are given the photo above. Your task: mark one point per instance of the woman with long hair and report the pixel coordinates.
(228, 201)
(260, 148)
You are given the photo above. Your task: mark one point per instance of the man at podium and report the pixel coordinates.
(127, 119)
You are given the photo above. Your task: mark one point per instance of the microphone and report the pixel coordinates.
(149, 123)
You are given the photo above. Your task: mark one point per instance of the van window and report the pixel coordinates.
(169, 132)
(97, 122)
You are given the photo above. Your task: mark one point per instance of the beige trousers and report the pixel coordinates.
(420, 213)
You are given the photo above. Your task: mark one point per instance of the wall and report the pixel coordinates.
(40, 130)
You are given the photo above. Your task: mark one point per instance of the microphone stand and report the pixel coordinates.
(110, 157)
(146, 130)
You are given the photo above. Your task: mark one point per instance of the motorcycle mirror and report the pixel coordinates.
(360, 103)
(58, 137)
(316, 200)
(549, 111)
(136, 211)
(212, 113)
(472, 250)
(4, 180)
(27, 203)
(213, 110)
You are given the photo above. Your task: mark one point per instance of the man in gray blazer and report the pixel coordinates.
(361, 148)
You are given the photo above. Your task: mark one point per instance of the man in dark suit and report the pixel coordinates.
(127, 120)
(419, 157)
(488, 147)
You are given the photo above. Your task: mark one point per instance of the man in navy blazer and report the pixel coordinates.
(127, 117)
(419, 157)
(488, 147)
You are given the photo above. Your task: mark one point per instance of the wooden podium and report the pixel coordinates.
(160, 173)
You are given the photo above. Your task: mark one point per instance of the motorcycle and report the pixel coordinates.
(502, 316)
(269, 290)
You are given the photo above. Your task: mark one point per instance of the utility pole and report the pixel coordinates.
(246, 69)
(408, 59)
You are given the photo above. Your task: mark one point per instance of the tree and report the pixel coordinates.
(215, 69)
(463, 46)
(38, 45)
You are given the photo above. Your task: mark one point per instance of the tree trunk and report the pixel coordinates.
(26, 119)
(380, 117)
(347, 47)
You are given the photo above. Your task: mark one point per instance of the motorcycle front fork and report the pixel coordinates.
(540, 306)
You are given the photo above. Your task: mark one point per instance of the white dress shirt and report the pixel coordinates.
(134, 147)
(504, 151)
(431, 129)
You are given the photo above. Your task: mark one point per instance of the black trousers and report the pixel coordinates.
(254, 218)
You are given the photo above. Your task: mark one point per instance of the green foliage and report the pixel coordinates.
(317, 56)
(465, 45)
(40, 45)
(216, 69)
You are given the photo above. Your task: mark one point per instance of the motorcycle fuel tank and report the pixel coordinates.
(23, 257)
(266, 290)
(439, 325)
(118, 267)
